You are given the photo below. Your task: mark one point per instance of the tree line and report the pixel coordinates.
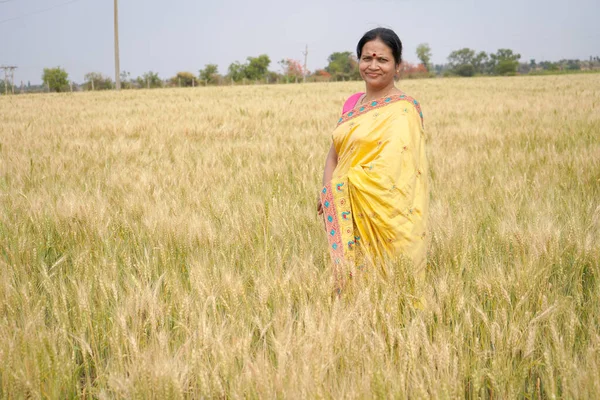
(468, 62)
(341, 66)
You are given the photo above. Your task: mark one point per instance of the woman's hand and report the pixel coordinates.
(320, 212)
(319, 206)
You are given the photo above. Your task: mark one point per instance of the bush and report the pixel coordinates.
(412, 71)
(465, 70)
(183, 79)
(97, 81)
(507, 67)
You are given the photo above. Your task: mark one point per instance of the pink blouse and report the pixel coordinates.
(351, 102)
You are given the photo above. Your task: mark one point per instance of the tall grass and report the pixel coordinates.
(165, 244)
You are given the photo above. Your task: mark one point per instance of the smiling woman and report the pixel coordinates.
(375, 183)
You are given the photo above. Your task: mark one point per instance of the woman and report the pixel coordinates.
(375, 195)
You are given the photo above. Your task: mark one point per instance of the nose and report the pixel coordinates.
(374, 64)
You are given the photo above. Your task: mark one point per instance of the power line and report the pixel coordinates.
(36, 12)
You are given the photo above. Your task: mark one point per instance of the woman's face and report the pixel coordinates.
(376, 65)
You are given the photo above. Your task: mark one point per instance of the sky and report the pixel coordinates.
(185, 35)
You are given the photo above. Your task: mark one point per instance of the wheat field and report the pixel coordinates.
(165, 244)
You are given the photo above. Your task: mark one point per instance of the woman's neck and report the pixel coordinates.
(373, 94)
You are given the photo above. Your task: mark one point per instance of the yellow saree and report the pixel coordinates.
(376, 205)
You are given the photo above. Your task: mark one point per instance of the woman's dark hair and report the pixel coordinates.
(387, 36)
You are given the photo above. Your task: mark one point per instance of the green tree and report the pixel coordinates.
(424, 54)
(56, 79)
(257, 67)
(149, 80)
(571, 65)
(126, 82)
(210, 73)
(467, 62)
(236, 71)
(273, 77)
(97, 81)
(461, 62)
(532, 63)
(461, 57)
(342, 65)
(549, 66)
(480, 62)
(505, 62)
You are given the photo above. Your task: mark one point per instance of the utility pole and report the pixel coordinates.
(6, 69)
(305, 70)
(117, 67)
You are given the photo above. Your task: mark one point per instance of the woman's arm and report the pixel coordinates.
(330, 164)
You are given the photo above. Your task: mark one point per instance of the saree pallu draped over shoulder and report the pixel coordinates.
(376, 204)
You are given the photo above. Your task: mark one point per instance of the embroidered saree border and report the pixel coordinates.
(384, 101)
(338, 222)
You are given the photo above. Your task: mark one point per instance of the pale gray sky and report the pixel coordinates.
(184, 35)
